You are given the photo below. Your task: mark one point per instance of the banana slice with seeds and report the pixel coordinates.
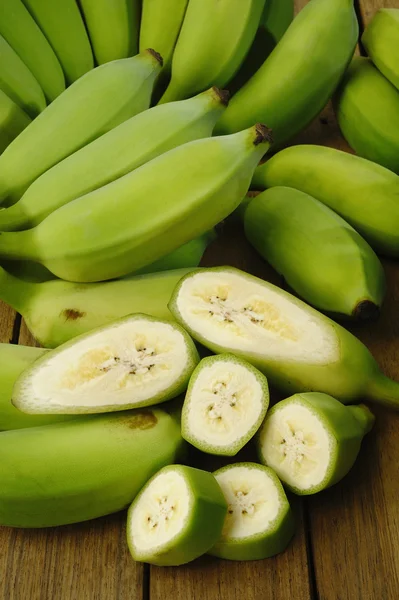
(177, 517)
(136, 361)
(225, 404)
(259, 522)
(312, 440)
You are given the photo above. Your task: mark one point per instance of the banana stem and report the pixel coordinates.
(14, 292)
(383, 390)
(364, 415)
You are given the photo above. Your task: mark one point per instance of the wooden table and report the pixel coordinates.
(347, 541)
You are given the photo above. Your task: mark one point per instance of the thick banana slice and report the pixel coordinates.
(295, 346)
(225, 404)
(177, 517)
(136, 361)
(312, 440)
(259, 521)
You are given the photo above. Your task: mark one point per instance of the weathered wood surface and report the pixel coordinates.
(347, 541)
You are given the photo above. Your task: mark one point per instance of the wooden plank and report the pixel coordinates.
(7, 320)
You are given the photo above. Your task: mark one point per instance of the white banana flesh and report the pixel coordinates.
(134, 362)
(253, 501)
(295, 443)
(161, 512)
(225, 405)
(249, 317)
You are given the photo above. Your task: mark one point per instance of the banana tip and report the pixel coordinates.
(366, 310)
(262, 134)
(222, 95)
(156, 55)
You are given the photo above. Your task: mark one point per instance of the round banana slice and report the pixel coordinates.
(134, 362)
(311, 440)
(177, 517)
(259, 521)
(225, 404)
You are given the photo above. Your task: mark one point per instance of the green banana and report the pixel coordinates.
(319, 255)
(84, 468)
(362, 192)
(120, 90)
(298, 78)
(13, 120)
(380, 40)
(63, 26)
(121, 150)
(13, 361)
(295, 346)
(277, 17)
(161, 22)
(28, 41)
(17, 82)
(55, 311)
(367, 109)
(214, 39)
(146, 214)
(113, 28)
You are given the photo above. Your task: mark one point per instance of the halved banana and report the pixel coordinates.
(312, 440)
(135, 361)
(177, 517)
(225, 404)
(259, 521)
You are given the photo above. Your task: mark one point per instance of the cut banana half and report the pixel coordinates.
(259, 521)
(136, 361)
(312, 440)
(177, 517)
(225, 404)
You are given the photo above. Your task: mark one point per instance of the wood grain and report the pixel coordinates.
(367, 8)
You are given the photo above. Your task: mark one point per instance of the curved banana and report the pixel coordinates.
(82, 469)
(381, 41)
(55, 311)
(63, 26)
(319, 255)
(277, 17)
(214, 40)
(18, 83)
(362, 192)
(113, 28)
(298, 78)
(367, 109)
(13, 361)
(114, 154)
(161, 21)
(13, 120)
(28, 41)
(146, 214)
(97, 102)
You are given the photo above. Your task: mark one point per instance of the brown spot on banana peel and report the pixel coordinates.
(156, 55)
(263, 134)
(142, 420)
(222, 95)
(72, 314)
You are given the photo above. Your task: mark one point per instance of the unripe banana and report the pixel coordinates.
(381, 41)
(319, 254)
(116, 153)
(82, 469)
(259, 521)
(13, 120)
(121, 89)
(367, 108)
(214, 39)
(56, 311)
(312, 441)
(298, 78)
(63, 26)
(146, 214)
(18, 83)
(161, 21)
(13, 361)
(113, 28)
(294, 345)
(362, 192)
(277, 17)
(23, 34)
